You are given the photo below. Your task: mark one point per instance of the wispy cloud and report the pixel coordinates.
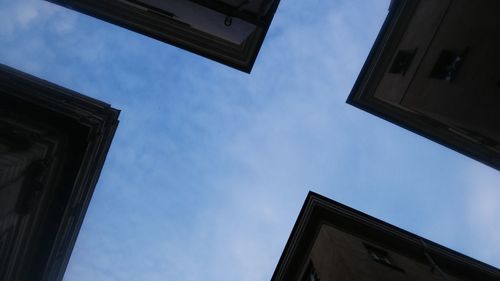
(210, 166)
(483, 211)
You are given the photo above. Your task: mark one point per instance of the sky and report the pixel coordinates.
(210, 166)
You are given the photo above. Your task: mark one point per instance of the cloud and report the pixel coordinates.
(242, 153)
(483, 210)
(65, 23)
(22, 15)
(26, 14)
(210, 166)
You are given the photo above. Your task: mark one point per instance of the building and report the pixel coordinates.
(332, 242)
(435, 70)
(53, 143)
(227, 31)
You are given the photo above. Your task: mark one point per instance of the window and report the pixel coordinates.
(310, 274)
(447, 65)
(381, 256)
(402, 61)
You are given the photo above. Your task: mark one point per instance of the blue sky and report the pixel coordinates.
(210, 166)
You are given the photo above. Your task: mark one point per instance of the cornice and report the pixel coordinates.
(86, 126)
(319, 210)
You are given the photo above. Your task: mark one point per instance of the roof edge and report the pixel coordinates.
(318, 209)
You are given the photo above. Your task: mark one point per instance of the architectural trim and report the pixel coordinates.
(85, 128)
(379, 58)
(319, 210)
(157, 24)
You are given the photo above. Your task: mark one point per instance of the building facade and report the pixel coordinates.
(332, 242)
(228, 31)
(53, 143)
(435, 69)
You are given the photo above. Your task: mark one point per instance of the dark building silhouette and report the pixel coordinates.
(332, 242)
(227, 31)
(435, 70)
(53, 143)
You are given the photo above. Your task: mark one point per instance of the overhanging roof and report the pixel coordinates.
(319, 210)
(473, 127)
(227, 31)
(70, 135)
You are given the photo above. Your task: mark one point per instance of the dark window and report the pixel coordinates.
(447, 65)
(311, 274)
(402, 61)
(381, 256)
